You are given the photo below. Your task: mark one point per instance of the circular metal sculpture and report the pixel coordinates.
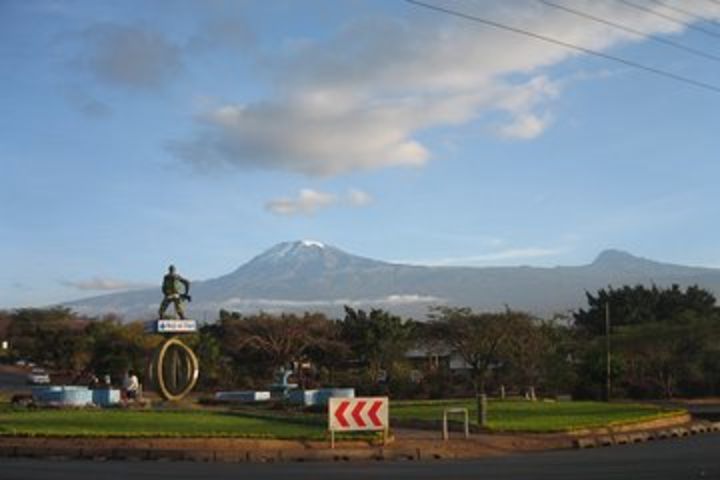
(174, 369)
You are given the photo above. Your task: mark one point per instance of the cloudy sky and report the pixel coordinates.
(138, 133)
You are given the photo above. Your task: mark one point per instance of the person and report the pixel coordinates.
(171, 286)
(94, 382)
(131, 385)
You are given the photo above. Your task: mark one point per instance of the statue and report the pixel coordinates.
(171, 290)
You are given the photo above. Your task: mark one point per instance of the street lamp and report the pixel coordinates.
(607, 352)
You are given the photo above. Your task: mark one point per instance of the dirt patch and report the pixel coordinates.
(234, 449)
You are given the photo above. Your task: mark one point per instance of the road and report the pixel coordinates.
(12, 378)
(691, 458)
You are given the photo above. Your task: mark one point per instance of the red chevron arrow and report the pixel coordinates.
(340, 414)
(372, 414)
(356, 413)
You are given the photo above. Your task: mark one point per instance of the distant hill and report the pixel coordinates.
(311, 276)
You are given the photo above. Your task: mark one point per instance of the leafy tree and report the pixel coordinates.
(660, 338)
(277, 340)
(208, 348)
(529, 350)
(116, 347)
(4, 324)
(51, 336)
(482, 340)
(660, 355)
(378, 340)
(559, 374)
(639, 304)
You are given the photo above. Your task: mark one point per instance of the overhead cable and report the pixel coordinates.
(649, 36)
(669, 18)
(568, 45)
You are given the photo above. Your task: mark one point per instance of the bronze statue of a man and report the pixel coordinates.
(171, 288)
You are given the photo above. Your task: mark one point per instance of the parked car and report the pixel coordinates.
(38, 376)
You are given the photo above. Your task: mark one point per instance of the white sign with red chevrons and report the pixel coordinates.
(358, 414)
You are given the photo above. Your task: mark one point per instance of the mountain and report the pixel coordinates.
(307, 275)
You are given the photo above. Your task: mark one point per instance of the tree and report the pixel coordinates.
(378, 340)
(661, 355)
(49, 336)
(639, 304)
(661, 338)
(482, 340)
(4, 324)
(529, 348)
(207, 345)
(116, 346)
(277, 340)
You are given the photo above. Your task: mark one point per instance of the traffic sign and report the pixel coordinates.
(171, 326)
(359, 414)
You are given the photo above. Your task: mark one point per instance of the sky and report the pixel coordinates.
(136, 134)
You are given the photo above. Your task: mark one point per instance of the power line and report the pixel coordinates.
(685, 12)
(571, 46)
(669, 18)
(624, 28)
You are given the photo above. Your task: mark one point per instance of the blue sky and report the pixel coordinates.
(139, 133)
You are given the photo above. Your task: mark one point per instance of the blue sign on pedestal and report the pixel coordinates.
(171, 326)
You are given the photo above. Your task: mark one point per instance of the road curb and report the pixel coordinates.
(397, 453)
(642, 436)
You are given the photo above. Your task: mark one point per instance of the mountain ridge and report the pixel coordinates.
(309, 275)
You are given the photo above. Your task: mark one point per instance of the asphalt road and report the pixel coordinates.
(691, 458)
(12, 378)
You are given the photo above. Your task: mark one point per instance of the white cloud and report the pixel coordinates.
(510, 255)
(525, 127)
(100, 283)
(360, 98)
(397, 299)
(307, 202)
(359, 198)
(515, 254)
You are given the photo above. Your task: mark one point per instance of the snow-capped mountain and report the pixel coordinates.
(311, 276)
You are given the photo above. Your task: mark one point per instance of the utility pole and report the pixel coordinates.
(607, 351)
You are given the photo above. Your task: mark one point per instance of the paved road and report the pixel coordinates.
(12, 378)
(692, 458)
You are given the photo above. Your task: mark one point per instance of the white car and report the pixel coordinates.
(38, 376)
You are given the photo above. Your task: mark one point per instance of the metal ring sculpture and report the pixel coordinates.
(174, 369)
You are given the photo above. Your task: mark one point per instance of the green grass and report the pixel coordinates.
(256, 423)
(518, 415)
(130, 423)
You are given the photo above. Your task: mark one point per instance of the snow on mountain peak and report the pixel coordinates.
(312, 243)
(285, 250)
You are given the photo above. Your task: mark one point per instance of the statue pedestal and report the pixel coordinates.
(171, 326)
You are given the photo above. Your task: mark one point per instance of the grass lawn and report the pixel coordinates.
(133, 423)
(256, 423)
(519, 415)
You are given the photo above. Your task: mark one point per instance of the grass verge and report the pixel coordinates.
(538, 417)
(509, 416)
(132, 423)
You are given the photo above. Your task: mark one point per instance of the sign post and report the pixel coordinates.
(362, 414)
